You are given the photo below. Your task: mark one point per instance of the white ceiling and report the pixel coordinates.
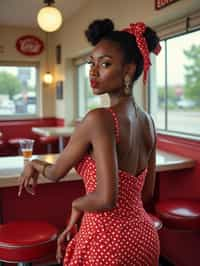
(24, 12)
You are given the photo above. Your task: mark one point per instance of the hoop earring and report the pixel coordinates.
(127, 83)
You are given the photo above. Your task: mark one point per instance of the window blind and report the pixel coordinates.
(179, 26)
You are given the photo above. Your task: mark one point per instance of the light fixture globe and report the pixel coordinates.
(48, 78)
(49, 19)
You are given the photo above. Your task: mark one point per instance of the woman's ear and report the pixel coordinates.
(130, 70)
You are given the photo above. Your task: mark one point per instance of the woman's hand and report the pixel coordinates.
(28, 179)
(65, 235)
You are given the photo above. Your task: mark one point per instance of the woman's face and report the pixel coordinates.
(107, 69)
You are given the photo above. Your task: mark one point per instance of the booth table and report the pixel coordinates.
(59, 132)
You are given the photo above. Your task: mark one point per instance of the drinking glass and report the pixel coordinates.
(26, 146)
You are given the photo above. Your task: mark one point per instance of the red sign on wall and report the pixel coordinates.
(162, 3)
(29, 45)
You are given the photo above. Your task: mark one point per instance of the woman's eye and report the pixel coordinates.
(89, 62)
(106, 64)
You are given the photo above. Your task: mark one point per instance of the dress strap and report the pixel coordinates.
(116, 123)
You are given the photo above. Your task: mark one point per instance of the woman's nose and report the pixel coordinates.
(94, 71)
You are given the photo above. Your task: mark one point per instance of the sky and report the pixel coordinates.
(176, 58)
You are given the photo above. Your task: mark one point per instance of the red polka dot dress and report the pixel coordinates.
(123, 236)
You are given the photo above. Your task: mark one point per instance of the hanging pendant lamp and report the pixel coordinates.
(49, 17)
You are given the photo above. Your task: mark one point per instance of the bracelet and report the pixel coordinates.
(44, 168)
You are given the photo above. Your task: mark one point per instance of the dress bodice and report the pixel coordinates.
(129, 186)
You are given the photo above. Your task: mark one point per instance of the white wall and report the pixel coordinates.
(73, 43)
(72, 39)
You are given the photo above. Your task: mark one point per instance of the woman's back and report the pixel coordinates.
(136, 138)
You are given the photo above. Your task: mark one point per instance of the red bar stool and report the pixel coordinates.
(179, 214)
(49, 141)
(25, 242)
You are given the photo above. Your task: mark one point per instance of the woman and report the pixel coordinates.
(113, 149)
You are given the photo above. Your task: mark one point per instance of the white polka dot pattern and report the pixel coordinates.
(124, 236)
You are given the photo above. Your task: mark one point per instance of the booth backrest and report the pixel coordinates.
(12, 129)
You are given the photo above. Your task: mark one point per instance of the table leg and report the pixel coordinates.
(61, 143)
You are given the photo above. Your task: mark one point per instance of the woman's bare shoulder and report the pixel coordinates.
(145, 117)
(98, 115)
(99, 119)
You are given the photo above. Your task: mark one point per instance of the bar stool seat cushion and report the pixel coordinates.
(27, 241)
(14, 141)
(182, 214)
(48, 139)
(156, 221)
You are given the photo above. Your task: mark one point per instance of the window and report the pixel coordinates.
(18, 90)
(175, 85)
(86, 99)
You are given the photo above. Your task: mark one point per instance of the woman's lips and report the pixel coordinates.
(93, 83)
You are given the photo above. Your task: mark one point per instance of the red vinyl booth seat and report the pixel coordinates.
(14, 141)
(48, 140)
(1, 143)
(27, 241)
(180, 214)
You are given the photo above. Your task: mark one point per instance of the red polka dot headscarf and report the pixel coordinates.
(137, 30)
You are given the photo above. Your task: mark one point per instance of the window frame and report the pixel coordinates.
(186, 28)
(78, 62)
(77, 90)
(38, 96)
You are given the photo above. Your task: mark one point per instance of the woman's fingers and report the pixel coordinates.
(21, 185)
(60, 243)
(59, 255)
(31, 183)
(65, 235)
(28, 182)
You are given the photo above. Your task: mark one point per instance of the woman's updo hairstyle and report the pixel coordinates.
(104, 30)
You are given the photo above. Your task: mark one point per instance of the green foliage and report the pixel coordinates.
(171, 93)
(9, 84)
(192, 76)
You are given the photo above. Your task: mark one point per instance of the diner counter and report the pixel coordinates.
(11, 167)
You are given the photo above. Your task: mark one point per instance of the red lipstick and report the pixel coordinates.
(93, 83)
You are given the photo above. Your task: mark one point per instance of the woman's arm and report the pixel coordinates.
(73, 152)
